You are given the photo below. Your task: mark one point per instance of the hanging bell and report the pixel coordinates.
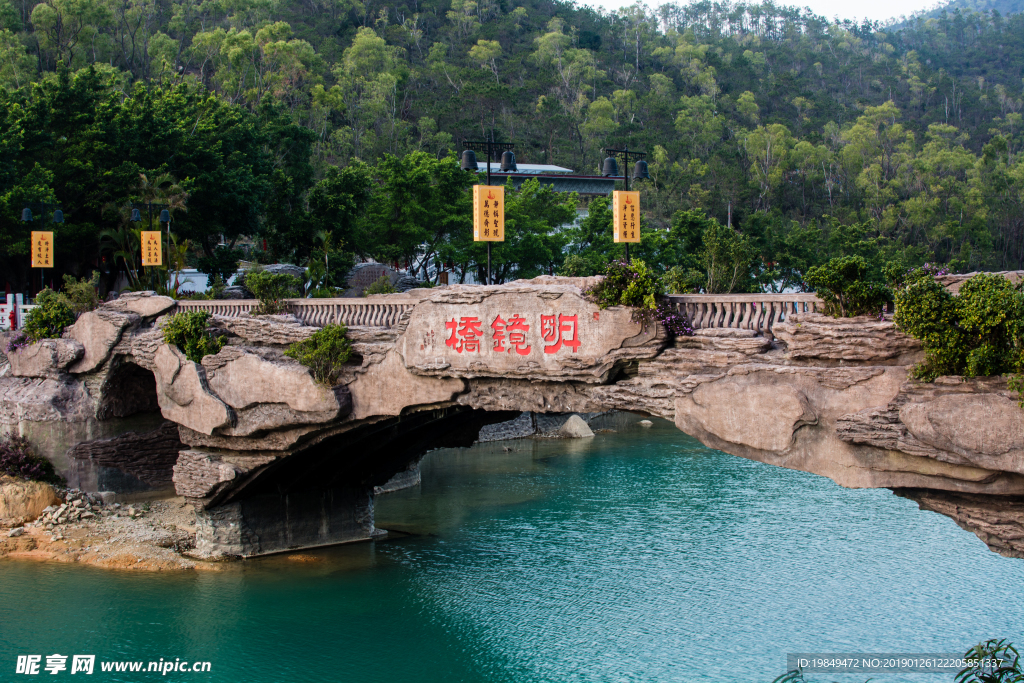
(508, 162)
(165, 216)
(640, 171)
(611, 167)
(469, 161)
(26, 215)
(58, 216)
(136, 216)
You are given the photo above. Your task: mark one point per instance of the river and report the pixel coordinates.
(639, 555)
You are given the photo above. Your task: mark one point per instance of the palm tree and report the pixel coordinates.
(123, 241)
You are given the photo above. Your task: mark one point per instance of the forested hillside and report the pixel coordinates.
(912, 135)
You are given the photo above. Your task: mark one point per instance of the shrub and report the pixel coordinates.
(18, 460)
(580, 265)
(48, 319)
(381, 286)
(81, 294)
(271, 289)
(679, 280)
(217, 287)
(627, 284)
(980, 332)
(324, 353)
(326, 293)
(842, 286)
(634, 284)
(187, 331)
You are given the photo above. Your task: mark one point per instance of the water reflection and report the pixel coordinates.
(632, 556)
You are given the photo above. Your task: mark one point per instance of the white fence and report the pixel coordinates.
(759, 312)
(319, 312)
(13, 312)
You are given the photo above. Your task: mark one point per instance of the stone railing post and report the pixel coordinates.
(758, 312)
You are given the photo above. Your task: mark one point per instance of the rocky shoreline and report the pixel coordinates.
(82, 529)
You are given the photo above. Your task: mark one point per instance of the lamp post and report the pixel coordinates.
(490, 148)
(165, 217)
(44, 208)
(610, 168)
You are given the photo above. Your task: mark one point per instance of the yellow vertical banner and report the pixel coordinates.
(42, 249)
(626, 208)
(488, 213)
(152, 254)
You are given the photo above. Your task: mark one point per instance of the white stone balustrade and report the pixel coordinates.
(758, 312)
(319, 312)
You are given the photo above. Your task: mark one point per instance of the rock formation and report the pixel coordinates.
(272, 460)
(24, 500)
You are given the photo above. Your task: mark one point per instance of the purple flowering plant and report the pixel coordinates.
(632, 283)
(16, 342)
(18, 460)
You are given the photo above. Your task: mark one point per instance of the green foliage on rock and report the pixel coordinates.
(188, 332)
(271, 289)
(324, 353)
(381, 285)
(843, 287)
(53, 312)
(979, 332)
(81, 294)
(627, 284)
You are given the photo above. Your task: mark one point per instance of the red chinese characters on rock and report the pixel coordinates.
(554, 332)
(516, 329)
(464, 334)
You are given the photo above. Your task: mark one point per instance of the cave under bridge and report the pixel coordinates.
(274, 461)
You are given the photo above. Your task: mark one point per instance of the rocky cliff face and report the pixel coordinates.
(262, 442)
(93, 387)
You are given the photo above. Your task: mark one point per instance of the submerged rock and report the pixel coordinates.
(575, 428)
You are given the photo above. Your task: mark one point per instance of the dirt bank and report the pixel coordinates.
(154, 536)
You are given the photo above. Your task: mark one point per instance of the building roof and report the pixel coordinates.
(531, 169)
(588, 185)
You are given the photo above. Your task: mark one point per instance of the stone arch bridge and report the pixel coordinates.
(274, 461)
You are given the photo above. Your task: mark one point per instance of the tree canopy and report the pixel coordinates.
(282, 121)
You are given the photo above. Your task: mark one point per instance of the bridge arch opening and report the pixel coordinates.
(135, 454)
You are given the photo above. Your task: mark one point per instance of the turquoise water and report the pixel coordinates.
(636, 556)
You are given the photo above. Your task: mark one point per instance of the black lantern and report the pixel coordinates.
(611, 167)
(469, 161)
(508, 162)
(136, 216)
(640, 171)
